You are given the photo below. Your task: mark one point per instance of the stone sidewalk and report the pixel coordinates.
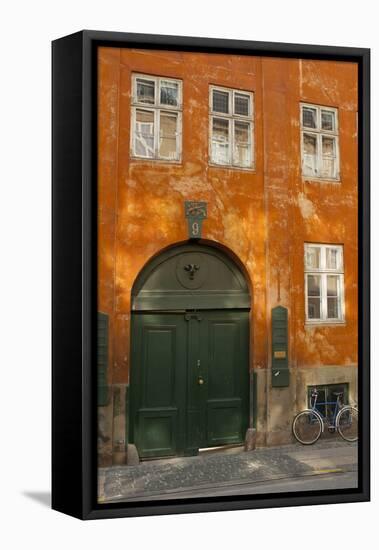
(226, 468)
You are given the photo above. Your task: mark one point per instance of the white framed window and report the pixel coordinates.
(324, 283)
(319, 142)
(156, 121)
(231, 128)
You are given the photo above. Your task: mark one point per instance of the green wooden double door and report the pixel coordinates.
(189, 385)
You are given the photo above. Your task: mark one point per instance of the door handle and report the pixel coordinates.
(200, 380)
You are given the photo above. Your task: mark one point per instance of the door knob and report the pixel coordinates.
(200, 380)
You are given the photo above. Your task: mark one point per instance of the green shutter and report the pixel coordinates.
(279, 327)
(102, 358)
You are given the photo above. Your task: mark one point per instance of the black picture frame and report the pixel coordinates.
(74, 203)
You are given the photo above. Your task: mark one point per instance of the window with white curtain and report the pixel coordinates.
(231, 127)
(156, 131)
(324, 283)
(319, 142)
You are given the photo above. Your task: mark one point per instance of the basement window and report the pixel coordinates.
(156, 131)
(319, 142)
(231, 127)
(327, 396)
(324, 283)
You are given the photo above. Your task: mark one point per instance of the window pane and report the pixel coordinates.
(309, 155)
(328, 167)
(220, 129)
(167, 135)
(220, 141)
(327, 120)
(329, 398)
(309, 144)
(220, 101)
(145, 91)
(144, 134)
(169, 93)
(241, 104)
(314, 297)
(332, 297)
(309, 117)
(333, 308)
(328, 146)
(313, 257)
(313, 285)
(331, 258)
(242, 144)
(332, 285)
(314, 308)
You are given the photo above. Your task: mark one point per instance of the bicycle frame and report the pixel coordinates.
(314, 417)
(325, 420)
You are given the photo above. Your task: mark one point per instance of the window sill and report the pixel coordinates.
(155, 161)
(331, 181)
(310, 324)
(230, 167)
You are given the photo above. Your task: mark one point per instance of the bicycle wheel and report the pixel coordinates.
(347, 423)
(307, 427)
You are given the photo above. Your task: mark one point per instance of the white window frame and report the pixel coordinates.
(157, 108)
(318, 133)
(231, 117)
(323, 272)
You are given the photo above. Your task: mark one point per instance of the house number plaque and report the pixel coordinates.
(195, 212)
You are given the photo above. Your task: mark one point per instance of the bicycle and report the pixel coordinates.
(309, 424)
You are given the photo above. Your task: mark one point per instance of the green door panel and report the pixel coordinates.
(157, 432)
(225, 422)
(158, 381)
(226, 348)
(195, 436)
(158, 390)
(223, 346)
(189, 382)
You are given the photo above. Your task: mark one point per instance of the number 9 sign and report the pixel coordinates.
(195, 229)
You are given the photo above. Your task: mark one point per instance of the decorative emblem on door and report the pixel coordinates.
(191, 269)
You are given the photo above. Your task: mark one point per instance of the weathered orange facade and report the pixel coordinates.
(262, 216)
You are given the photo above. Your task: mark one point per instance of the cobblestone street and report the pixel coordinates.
(232, 471)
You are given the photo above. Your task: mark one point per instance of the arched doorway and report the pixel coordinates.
(189, 385)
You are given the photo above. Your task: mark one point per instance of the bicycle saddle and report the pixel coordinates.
(337, 393)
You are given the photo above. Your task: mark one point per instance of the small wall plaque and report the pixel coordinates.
(195, 212)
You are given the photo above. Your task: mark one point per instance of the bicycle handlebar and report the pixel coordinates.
(314, 396)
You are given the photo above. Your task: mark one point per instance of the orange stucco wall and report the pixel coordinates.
(263, 216)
